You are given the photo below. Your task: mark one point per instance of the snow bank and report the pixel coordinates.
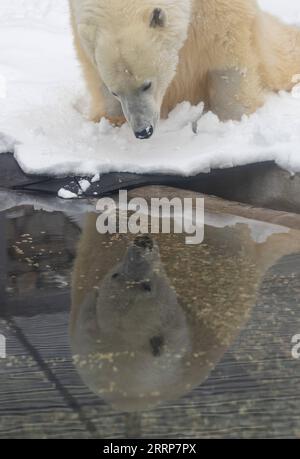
(42, 101)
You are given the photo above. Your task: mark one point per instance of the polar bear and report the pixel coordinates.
(140, 59)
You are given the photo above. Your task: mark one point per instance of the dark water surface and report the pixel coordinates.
(121, 336)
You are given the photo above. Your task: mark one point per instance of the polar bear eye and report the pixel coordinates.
(156, 345)
(115, 95)
(147, 86)
(158, 18)
(146, 286)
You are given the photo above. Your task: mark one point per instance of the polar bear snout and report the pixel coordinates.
(141, 113)
(144, 241)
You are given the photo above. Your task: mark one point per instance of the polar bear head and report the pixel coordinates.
(135, 46)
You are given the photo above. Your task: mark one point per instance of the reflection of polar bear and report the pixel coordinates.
(151, 319)
(130, 325)
(141, 58)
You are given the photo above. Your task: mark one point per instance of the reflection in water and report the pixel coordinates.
(152, 316)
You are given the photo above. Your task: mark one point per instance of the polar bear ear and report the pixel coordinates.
(158, 18)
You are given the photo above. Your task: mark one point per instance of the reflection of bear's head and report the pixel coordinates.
(151, 317)
(129, 329)
(136, 51)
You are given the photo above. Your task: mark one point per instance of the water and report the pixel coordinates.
(125, 336)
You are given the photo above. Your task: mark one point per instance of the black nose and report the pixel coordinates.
(144, 242)
(145, 134)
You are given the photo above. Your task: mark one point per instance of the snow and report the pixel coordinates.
(43, 104)
(96, 178)
(84, 185)
(66, 194)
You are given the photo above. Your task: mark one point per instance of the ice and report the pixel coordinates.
(96, 178)
(66, 194)
(43, 104)
(84, 185)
